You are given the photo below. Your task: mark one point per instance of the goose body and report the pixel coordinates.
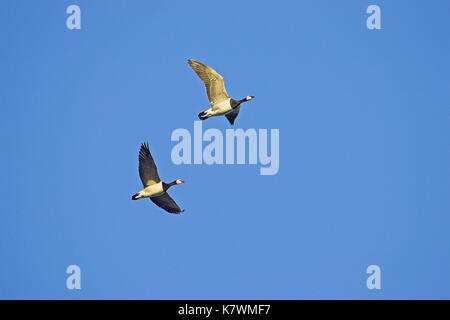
(154, 188)
(221, 103)
(221, 108)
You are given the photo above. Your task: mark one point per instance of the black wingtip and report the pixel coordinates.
(144, 151)
(144, 145)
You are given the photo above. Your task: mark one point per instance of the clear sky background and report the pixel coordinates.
(364, 154)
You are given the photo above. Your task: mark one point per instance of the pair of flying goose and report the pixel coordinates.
(221, 104)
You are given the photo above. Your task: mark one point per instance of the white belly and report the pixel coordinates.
(220, 108)
(153, 190)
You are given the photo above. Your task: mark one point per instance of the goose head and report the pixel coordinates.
(247, 98)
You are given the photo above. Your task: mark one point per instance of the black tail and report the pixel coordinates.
(134, 197)
(202, 116)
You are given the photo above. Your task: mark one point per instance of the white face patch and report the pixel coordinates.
(248, 98)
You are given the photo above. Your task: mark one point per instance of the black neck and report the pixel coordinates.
(168, 185)
(236, 103)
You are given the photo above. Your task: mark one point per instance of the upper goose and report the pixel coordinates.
(154, 188)
(221, 103)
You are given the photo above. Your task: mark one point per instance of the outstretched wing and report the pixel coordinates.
(231, 116)
(167, 203)
(147, 167)
(214, 84)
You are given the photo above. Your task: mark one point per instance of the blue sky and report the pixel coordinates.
(364, 176)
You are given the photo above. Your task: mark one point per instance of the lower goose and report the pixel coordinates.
(154, 188)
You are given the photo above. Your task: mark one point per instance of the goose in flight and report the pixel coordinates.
(154, 188)
(221, 103)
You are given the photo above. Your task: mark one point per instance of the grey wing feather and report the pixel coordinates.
(214, 84)
(167, 203)
(147, 168)
(231, 116)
